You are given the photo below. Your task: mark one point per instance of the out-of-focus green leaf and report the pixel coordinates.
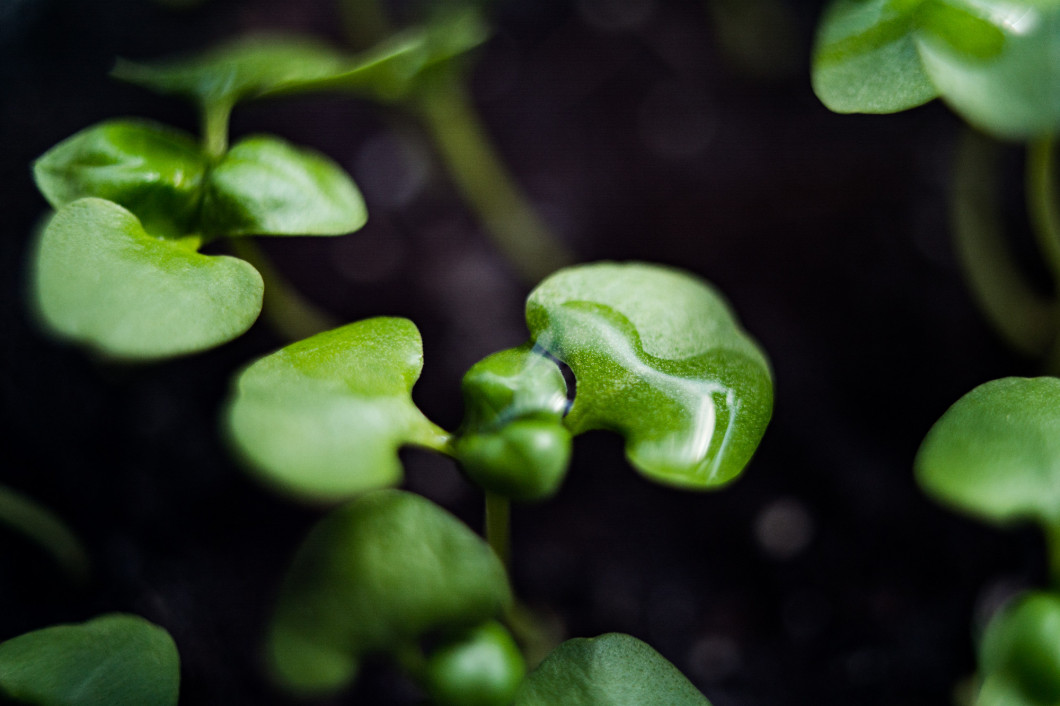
(998, 70)
(865, 59)
(513, 441)
(610, 670)
(324, 418)
(1019, 657)
(113, 660)
(375, 576)
(245, 68)
(102, 281)
(477, 667)
(265, 186)
(154, 171)
(995, 453)
(659, 358)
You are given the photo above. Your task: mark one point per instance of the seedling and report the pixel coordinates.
(995, 455)
(656, 356)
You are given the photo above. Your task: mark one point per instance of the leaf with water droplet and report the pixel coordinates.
(658, 357)
(324, 418)
(101, 280)
(995, 453)
(113, 660)
(375, 576)
(610, 670)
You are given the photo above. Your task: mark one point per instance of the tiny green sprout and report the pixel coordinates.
(610, 670)
(112, 660)
(1019, 656)
(478, 667)
(992, 61)
(377, 576)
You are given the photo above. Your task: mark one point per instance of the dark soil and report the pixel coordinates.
(641, 129)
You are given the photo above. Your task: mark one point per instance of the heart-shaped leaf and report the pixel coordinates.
(865, 59)
(996, 64)
(113, 660)
(323, 418)
(154, 171)
(1019, 656)
(265, 186)
(101, 280)
(610, 670)
(996, 453)
(513, 441)
(659, 358)
(376, 575)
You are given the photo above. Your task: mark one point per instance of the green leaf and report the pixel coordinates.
(1018, 657)
(477, 667)
(1010, 88)
(865, 59)
(610, 670)
(152, 170)
(513, 441)
(265, 186)
(113, 660)
(101, 280)
(375, 576)
(659, 358)
(245, 68)
(324, 418)
(995, 453)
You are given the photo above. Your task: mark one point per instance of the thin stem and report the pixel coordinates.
(498, 526)
(215, 117)
(516, 229)
(1041, 203)
(1025, 319)
(288, 313)
(47, 530)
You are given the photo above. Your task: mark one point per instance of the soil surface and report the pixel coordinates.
(678, 132)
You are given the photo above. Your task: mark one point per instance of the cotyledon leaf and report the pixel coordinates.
(865, 59)
(153, 170)
(1018, 657)
(113, 660)
(610, 670)
(658, 357)
(102, 281)
(324, 418)
(266, 186)
(375, 576)
(995, 453)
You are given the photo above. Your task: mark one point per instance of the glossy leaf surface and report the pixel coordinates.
(113, 660)
(866, 60)
(154, 171)
(266, 186)
(659, 358)
(324, 418)
(243, 69)
(478, 667)
(513, 441)
(1019, 656)
(375, 576)
(610, 670)
(996, 452)
(102, 281)
(996, 64)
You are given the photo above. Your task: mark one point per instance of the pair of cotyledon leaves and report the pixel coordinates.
(391, 571)
(656, 354)
(994, 61)
(117, 268)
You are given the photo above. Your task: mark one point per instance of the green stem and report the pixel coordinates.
(516, 229)
(498, 526)
(1025, 319)
(215, 115)
(47, 530)
(1041, 203)
(290, 314)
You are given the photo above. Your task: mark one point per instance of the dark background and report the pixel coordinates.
(641, 129)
